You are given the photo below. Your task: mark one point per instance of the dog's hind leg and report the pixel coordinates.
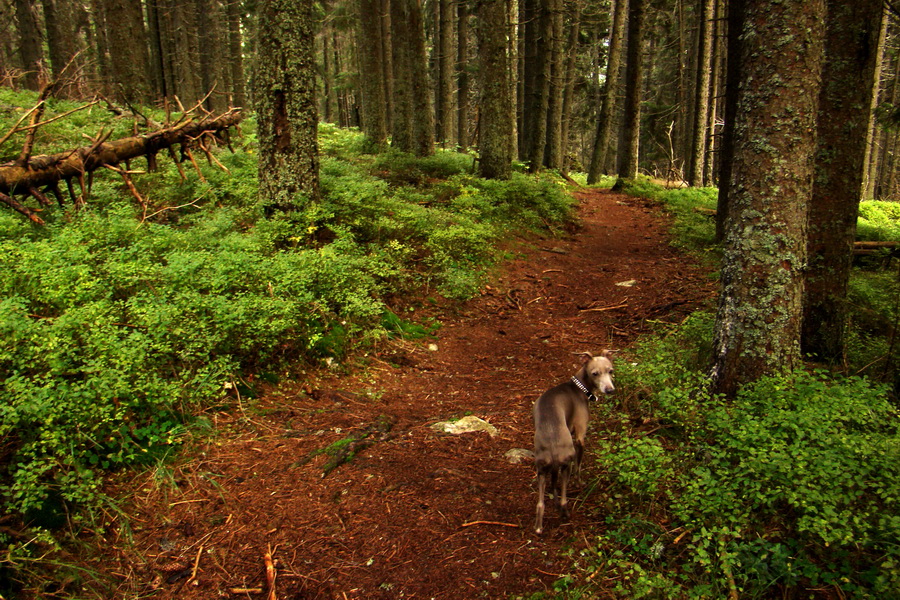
(542, 484)
(563, 484)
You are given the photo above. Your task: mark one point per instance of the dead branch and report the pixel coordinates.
(46, 171)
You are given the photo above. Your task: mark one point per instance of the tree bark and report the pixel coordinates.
(60, 26)
(423, 109)
(701, 95)
(286, 105)
(129, 51)
(496, 126)
(758, 321)
(30, 49)
(554, 152)
(236, 53)
(851, 48)
(374, 111)
(605, 120)
(446, 60)
(539, 95)
(401, 51)
(462, 66)
(569, 81)
(634, 81)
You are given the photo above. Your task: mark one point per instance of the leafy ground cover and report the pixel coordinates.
(120, 323)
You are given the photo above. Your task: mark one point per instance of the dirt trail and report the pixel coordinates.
(415, 514)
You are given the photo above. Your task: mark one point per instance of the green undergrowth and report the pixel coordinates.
(791, 488)
(120, 321)
(692, 211)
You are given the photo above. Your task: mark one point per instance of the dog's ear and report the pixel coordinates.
(585, 357)
(607, 353)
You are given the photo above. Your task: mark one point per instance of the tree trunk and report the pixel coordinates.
(759, 317)
(374, 111)
(701, 95)
(128, 50)
(462, 65)
(554, 153)
(213, 46)
(286, 105)
(236, 54)
(401, 48)
(536, 109)
(61, 40)
(851, 46)
(445, 67)
(873, 128)
(387, 67)
(733, 49)
(634, 79)
(30, 48)
(569, 81)
(599, 157)
(423, 109)
(496, 126)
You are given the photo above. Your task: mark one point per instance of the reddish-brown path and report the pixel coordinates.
(417, 514)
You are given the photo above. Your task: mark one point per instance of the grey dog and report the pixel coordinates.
(560, 422)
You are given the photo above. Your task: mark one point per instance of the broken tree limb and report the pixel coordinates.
(48, 170)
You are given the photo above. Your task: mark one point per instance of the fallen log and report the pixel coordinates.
(46, 171)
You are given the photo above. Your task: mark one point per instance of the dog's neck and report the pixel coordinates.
(581, 386)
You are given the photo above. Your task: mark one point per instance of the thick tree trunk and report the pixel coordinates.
(634, 83)
(213, 54)
(600, 154)
(286, 105)
(128, 49)
(61, 39)
(759, 317)
(423, 109)
(374, 111)
(851, 47)
(553, 153)
(496, 126)
(536, 109)
(30, 49)
(401, 51)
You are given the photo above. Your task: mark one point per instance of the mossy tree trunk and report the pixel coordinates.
(760, 308)
(496, 125)
(286, 105)
(848, 83)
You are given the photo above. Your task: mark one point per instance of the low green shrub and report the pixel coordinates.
(879, 220)
(792, 486)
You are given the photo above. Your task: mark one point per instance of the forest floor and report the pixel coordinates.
(413, 513)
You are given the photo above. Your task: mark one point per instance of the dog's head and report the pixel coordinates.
(598, 371)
